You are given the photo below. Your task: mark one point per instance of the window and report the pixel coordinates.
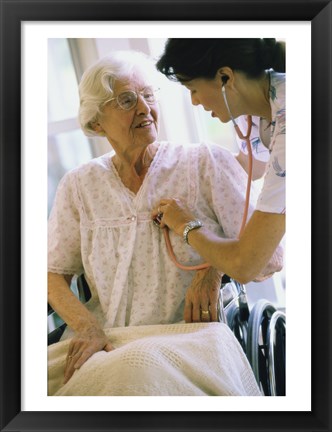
(67, 146)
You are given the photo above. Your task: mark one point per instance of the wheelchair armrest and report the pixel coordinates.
(83, 293)
(56, 334)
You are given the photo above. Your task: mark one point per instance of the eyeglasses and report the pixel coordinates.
(128, 99)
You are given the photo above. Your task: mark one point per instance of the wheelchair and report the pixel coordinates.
(261, 331)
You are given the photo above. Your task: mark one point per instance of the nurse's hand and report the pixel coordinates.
(83, 345)
(202, 297)
(173, 213)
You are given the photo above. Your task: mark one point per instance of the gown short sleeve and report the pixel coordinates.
(273, 194)
(64, 240)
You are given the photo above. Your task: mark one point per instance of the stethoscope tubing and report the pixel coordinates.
(247, 199)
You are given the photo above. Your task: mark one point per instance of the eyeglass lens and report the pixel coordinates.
(128, 99)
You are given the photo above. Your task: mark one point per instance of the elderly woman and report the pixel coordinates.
(124, 341)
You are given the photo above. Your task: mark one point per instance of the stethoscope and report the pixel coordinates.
(246, 138)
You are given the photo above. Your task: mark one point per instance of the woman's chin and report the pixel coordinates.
(148, 134)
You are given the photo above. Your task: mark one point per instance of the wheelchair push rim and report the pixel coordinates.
(265, 328)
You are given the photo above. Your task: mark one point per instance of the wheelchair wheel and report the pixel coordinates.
(277, 354)
(238, 327)
(257, 343)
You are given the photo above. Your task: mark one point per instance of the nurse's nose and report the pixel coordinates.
(194, 100)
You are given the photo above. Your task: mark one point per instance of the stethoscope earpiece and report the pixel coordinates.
(224, 79)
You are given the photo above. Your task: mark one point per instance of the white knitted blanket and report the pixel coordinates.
(159, 360)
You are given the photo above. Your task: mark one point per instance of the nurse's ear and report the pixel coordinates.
(226, 75)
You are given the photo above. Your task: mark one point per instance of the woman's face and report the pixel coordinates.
(133, 129)
(208, 94)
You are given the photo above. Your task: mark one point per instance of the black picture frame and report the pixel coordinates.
(12, 13)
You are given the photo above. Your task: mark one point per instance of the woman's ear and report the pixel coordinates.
(226, 75)
(96, 126)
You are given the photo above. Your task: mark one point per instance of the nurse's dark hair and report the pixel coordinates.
(186, 59)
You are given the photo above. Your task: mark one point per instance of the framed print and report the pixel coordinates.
(26, 28)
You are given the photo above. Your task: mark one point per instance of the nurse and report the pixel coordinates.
(235, 79)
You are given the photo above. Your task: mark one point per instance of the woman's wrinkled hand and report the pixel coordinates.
(173, 213)
(202, 296)
(83, 345)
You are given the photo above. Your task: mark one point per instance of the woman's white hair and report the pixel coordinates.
(97, 84)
